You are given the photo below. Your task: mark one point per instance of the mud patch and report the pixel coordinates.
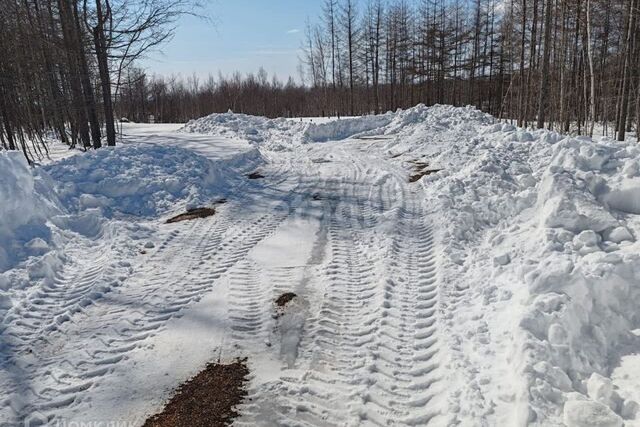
(284, 299)
(415, 177)
(255, 175)
(207, 400)
(420, 169)
(192, 214)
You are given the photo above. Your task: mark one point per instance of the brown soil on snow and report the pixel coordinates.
(420, 170)
(192, 214)
(415, 177)
(207, 400)
(255, 175)
(285, 298)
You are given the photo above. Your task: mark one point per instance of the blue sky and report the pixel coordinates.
(245, 35)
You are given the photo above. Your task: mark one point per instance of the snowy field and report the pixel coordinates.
(500, 288)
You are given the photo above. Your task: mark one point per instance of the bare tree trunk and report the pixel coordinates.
(79, 106)
(522, 95)
(626, 72)
(544, 81)
(103, 68)
(592, 103)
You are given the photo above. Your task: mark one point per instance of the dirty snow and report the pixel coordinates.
(501, 290)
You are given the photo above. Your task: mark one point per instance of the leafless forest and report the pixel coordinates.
(62, 62)
(69, 67)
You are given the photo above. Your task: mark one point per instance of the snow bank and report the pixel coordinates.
(539, 236)
(586, 287)
(275, 134)
(27, 199)
(141, 180)
(346, 128)
(283, 134)
(46, 208)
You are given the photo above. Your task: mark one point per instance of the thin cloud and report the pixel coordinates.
(293, 31)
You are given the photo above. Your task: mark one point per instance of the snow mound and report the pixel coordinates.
(346, 128)
(276, 134)
(282, 134)
(542, 227)
(141, 180)
(27, 201)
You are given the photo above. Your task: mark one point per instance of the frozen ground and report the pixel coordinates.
(501, 290)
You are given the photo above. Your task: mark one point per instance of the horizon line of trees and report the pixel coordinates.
(68, 67)
(563, 64)
(554, 63)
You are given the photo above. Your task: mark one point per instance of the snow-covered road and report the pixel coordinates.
(360, 344)
(434, 302)
(338, 225)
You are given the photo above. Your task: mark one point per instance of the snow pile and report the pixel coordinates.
(282, 134)
(277, 134)
(27, 199)
(141, 180)
(539, 241)
(585, 287)
(346, 128)
(445, 119)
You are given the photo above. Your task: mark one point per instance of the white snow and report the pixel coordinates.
(502, 289)
(23, 210)
(141, 179)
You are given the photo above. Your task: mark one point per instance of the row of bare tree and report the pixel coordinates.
(563, 64)
(176, 99)
(62, 61)
(543, 62)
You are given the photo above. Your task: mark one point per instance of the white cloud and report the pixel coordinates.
(293, 31)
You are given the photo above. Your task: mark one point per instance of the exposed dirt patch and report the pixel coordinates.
(220, 201)
(420, 169)
(374, 137)
(285, 298)
(207, 400)
(416, 176)
(419, 164)
(255, 175)
(192, 214)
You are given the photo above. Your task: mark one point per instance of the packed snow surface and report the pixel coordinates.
(500, 288)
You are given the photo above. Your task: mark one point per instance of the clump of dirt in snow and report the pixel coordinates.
(284, 299)
(255, 175)
(192, 214)
(206, 400)
(415, 177)
(420, 170)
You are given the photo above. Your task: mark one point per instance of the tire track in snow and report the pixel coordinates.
(177, 274)
(370, 355)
